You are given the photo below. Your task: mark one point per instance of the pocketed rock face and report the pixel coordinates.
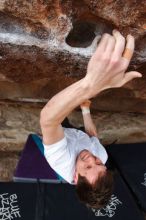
(45, 46)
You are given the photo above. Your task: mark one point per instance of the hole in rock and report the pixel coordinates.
(82, 34)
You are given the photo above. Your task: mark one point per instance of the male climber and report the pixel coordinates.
(77, 156)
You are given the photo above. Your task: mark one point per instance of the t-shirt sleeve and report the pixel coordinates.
(56, 151)
(60, 155)
(99, 150)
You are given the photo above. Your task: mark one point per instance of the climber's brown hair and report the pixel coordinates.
(98, 194)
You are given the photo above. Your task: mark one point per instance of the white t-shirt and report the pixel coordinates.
(62, 155)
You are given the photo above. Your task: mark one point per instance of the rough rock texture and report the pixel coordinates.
(51, 41)
(8, 163)
(45, 46)
(18, 121)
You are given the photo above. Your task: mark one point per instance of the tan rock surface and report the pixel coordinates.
(7, 166)
(18, 121)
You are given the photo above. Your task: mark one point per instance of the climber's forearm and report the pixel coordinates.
(89, 125)
(64, 102)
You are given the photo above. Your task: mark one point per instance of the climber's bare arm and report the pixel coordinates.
(89, 125)
(59, 107)
(106, 69)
